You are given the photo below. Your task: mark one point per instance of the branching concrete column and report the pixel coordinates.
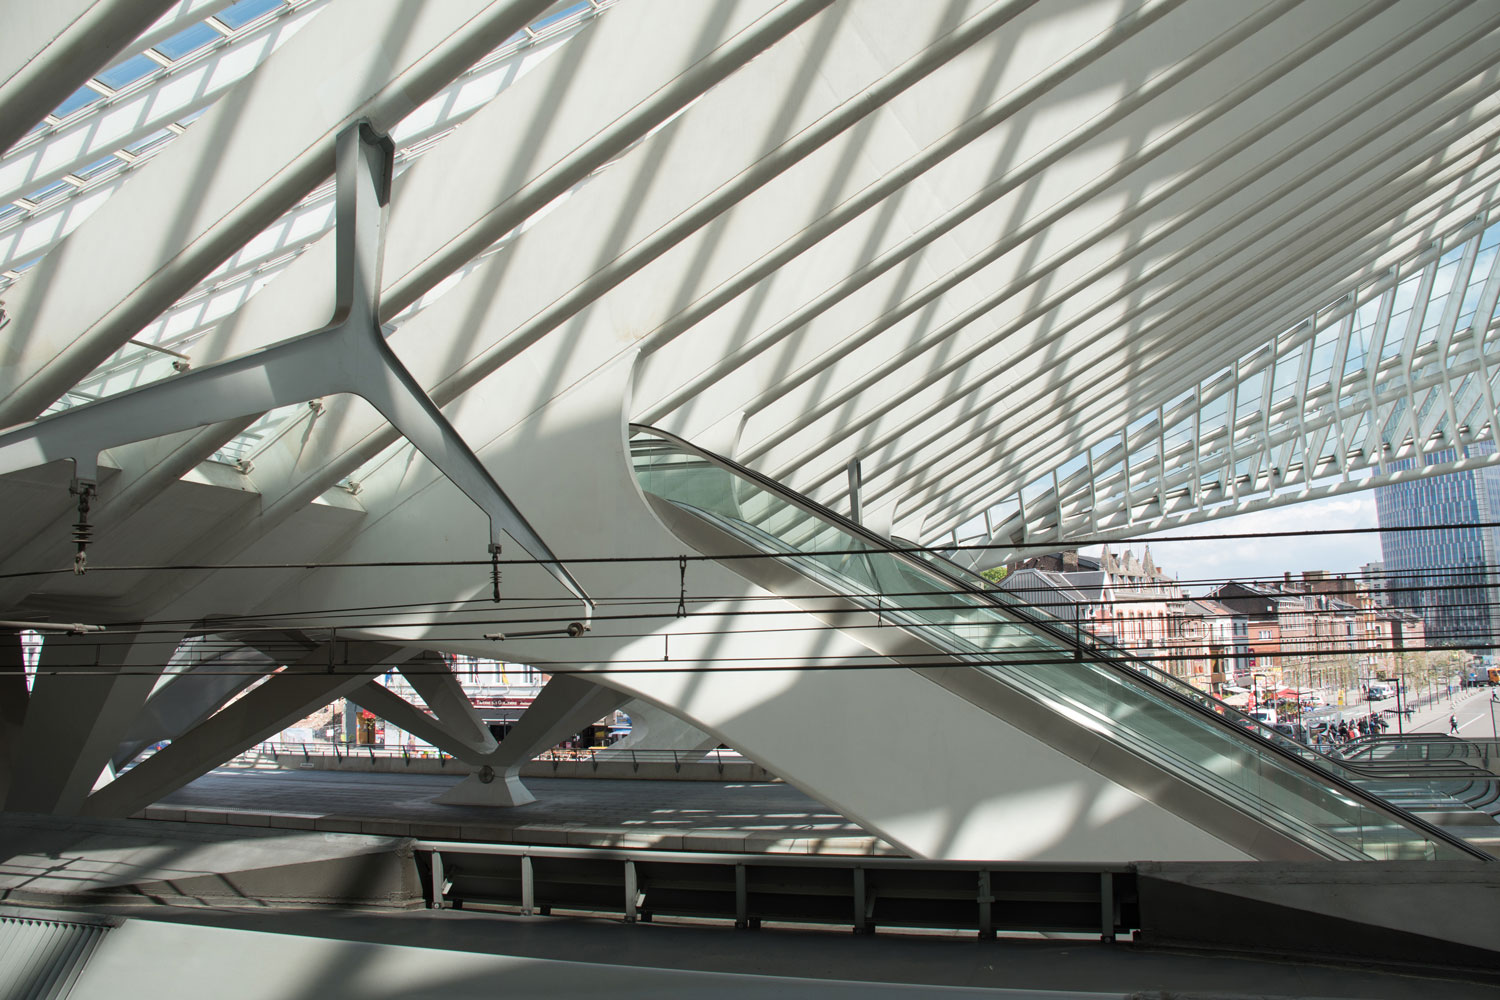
(88, 690)
(444, 695)
(282, 699)
(565, 706)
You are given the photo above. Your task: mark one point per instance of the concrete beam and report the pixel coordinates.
(654, 728)
(194, 693)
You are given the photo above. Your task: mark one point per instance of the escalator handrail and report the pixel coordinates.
(857, 530)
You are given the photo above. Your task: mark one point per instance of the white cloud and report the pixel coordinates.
(1215, 560)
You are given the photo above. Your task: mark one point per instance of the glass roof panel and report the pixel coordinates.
(41, 194)
(151, 141)
(123, 74)
(77, 101)
(563, 14)
(187, 42)
(237, 15)
(96, 168)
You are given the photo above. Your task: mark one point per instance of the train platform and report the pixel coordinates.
(735, 816)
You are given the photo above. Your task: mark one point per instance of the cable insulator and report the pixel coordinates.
(83, 532)
(495, 572)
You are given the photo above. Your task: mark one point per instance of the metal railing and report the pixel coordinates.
(859, 892)
(593, 756)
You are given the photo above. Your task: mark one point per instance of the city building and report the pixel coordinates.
(1448, 573)
(1322, 632)
(1127, 600)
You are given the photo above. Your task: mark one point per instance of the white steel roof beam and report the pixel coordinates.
(1099, 354)
(1321, 424)
(430, 229)
(955, 502)
(48, 50)
(1071, 291)
(894, 180)
(993, 488)
(223, 292)
(119, 122)
(1009, 396)
(370, 439)
(1451, 214)
(900, 361)
(1014, 402)
(250, 158)
(355, 437)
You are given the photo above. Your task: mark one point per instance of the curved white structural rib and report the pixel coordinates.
(1043, 273)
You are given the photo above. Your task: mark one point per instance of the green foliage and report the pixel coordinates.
(995, 575)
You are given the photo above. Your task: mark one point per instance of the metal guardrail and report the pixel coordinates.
(860, 892)
(1425, 749)
(557, 756)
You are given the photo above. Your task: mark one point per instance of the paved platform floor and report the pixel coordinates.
(632, 957)
(681, 815)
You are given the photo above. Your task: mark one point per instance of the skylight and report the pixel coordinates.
(123, 74)
(187, 42)
(237, 15)
(80, 99)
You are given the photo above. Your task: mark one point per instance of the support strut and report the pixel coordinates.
(350, 355)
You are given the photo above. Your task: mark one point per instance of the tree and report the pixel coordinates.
(995, 575)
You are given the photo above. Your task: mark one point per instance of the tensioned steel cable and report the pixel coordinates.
(736, 556)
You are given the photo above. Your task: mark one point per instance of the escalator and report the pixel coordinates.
(1230, 764)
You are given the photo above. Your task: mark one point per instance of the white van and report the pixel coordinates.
(1266, 715)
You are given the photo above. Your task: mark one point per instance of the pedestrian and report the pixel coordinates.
(1453, 725)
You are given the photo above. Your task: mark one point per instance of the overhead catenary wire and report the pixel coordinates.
(1053, 545)
(685, 664)
(286, 621)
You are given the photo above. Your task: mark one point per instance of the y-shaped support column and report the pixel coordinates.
(284, 698)
(348, 355)
(565, 706)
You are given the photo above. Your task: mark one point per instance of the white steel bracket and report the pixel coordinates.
(350, 355)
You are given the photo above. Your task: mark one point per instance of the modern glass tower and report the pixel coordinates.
(1444, 574)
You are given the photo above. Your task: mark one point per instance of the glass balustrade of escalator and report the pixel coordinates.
(1040, 658)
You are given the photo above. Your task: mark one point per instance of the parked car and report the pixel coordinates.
(1295, 731)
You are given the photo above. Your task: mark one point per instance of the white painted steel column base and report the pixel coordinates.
(502, 789)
